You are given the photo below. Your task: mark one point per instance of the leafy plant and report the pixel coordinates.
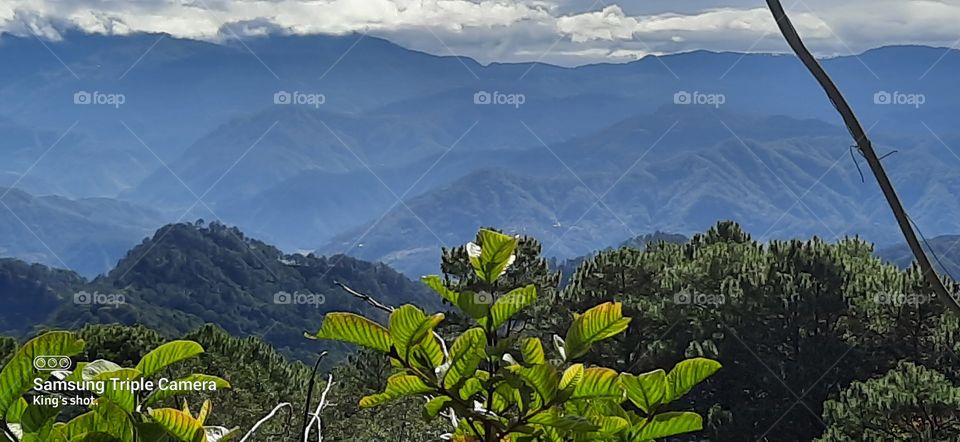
(479, 384)
(119, 412)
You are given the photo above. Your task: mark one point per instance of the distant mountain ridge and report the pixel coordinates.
(199, 120)
(187, 275)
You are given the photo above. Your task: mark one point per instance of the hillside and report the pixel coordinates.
(946, 248)
(187, 275)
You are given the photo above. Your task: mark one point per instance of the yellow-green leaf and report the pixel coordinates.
(598, 382)
(571, 377)
(435, 405)
(647, 391)
(532, 351)
(465, 355)
(166, 355)
(179, 424)
(435, 283)
(408, 326)
(496, 254)
(354, 329)
(117, 390)
(600, 322)
(18, 375)
(687, 374)
(543, 378)
(511, 304)
(666, 425)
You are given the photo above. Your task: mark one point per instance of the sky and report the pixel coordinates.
(564, 32)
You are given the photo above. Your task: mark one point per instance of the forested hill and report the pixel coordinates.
(187, 275)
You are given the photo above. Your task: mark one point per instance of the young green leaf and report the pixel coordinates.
(666, 425)
(408, 326)
(598, 382)
(179, 424)
(600, 322)
(166, 355)
(511, 304)
(17, 376)
(542, 378)
(355, 329)
(647, 391)
(494, 255)
(465, 355)
(687, 374)
(532, 351)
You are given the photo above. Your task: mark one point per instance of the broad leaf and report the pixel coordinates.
(408, 326)
(598, 382)
(571, 377)
(542, 378)
(355, 329)
(687, 374)
(18, 375)
(398, 386)
(532, 351)
(166, 355)
(666, 425)
(179, 424)
(120, 392)
(435, 405)
(511, 304)
(495, 255)
(647, 391)
(465, 355)
(600, 322)
(435, 283)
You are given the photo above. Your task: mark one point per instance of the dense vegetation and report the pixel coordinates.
(815, 339)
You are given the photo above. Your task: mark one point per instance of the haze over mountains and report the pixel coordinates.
(400, 152)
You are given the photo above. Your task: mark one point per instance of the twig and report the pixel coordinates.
(306, 406)
(866, 147)
(264, 419)
(366, 298)
(316, 414)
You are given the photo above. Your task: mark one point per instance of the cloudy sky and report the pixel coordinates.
(567, 32)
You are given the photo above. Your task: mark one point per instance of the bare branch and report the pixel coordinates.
(866, 147)
(366, 298)
(265, 419)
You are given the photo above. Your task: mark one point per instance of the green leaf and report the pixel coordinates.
(435, 283)
(17, 376)
(532, 351)
(179, 424)
(687, 374)
(470, 387)
(435, 405)
(465, 355)
(496, 253)
(166, 355)
(187, 385)
(105, 418)
(568, 423)
(408, 326)
(398, 386)
(571, 377)
(15, 412)
(543, 378)
(355, 329)
(90, 370)
(666, 425)
(600, 322)
(511, 304)
(647, 391)
(598, 382)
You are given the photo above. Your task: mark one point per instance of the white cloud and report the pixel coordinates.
(563, 31)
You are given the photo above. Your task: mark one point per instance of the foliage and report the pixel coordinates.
(909, 403)
(478, 383)
(118, 411)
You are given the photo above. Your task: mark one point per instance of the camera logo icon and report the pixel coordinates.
(52, 363)
(683, 298)
(882, 97)
(82, 97)
(482, 298)
(482, 97)
(682, 97)
(282, 97)
(82, 298)
(282, 298)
